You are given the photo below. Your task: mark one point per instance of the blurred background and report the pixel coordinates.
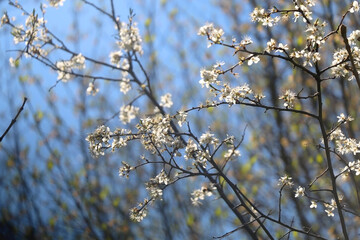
(51, 187)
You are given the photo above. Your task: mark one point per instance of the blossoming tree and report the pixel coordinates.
(296, 175)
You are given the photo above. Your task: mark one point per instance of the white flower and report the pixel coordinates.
(289, 98)
(208, 27)
(125, 170)
(208, 77)
(99, 140)
(313, 204)
(260, 15)
(286, 180)
(65, 68)
(215, 35)
(300, 191)
(4, 19)
(137, 214)
(166, 101)
(190, 149)
(344, 119)
(246, 41)
(281, 47)
(200, 194)
(12, 62)
(128, 113)
(115, 58)
(254, 59)
(56, 3)
(130, 39)
(232, 95)
(270, 45)
(181, 118)
(353, 166)
(92, 90)
(330, 208)
(355, 7)
(125, 85)
(155, 185)
(232, 153)
(208, 138)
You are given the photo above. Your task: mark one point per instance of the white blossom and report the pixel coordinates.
(329, 208)
(125, 169)
(208, 77)
(253, 59)
(344, 119)
(313, 204)
(166, 101)
(137, 214)
(56, 3)
(200, 194)
(288, 97)
(208, 138)
(65, 68)
(215, 35)
(232, 154)
(130, 39)
(181, 117)
(99, 140)
(115, 58)
(128, 113)
(355, 7)
(125, 85)
(286, 180)
(92, 90)
(300, 191)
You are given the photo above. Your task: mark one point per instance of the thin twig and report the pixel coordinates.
(14, 119)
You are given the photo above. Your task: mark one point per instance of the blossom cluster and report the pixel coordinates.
(56, 3)
(130, 39)
(209, 76)
(137, 214)
(232, 95)
(286, 181)
(155, 185)
(125, 169)
(288, 97)
(341, 66)
(271, 46)
(65, 68)
(200, 194)
(215, 35)
(128, 113)
(299, 192)
(166, 101)
(330, 207)
(264, 17)
(343, 144)
(99, 140)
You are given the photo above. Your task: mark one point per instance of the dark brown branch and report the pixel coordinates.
(14, 119)
(348, 49)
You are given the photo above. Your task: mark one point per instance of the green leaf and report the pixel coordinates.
(116, 202)
(23, 78)
(50, 165)
(39, 115)
(52, 221)
(218, 212)
(190, 220)
(319, 158)
(148, 22)
(104, 193)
